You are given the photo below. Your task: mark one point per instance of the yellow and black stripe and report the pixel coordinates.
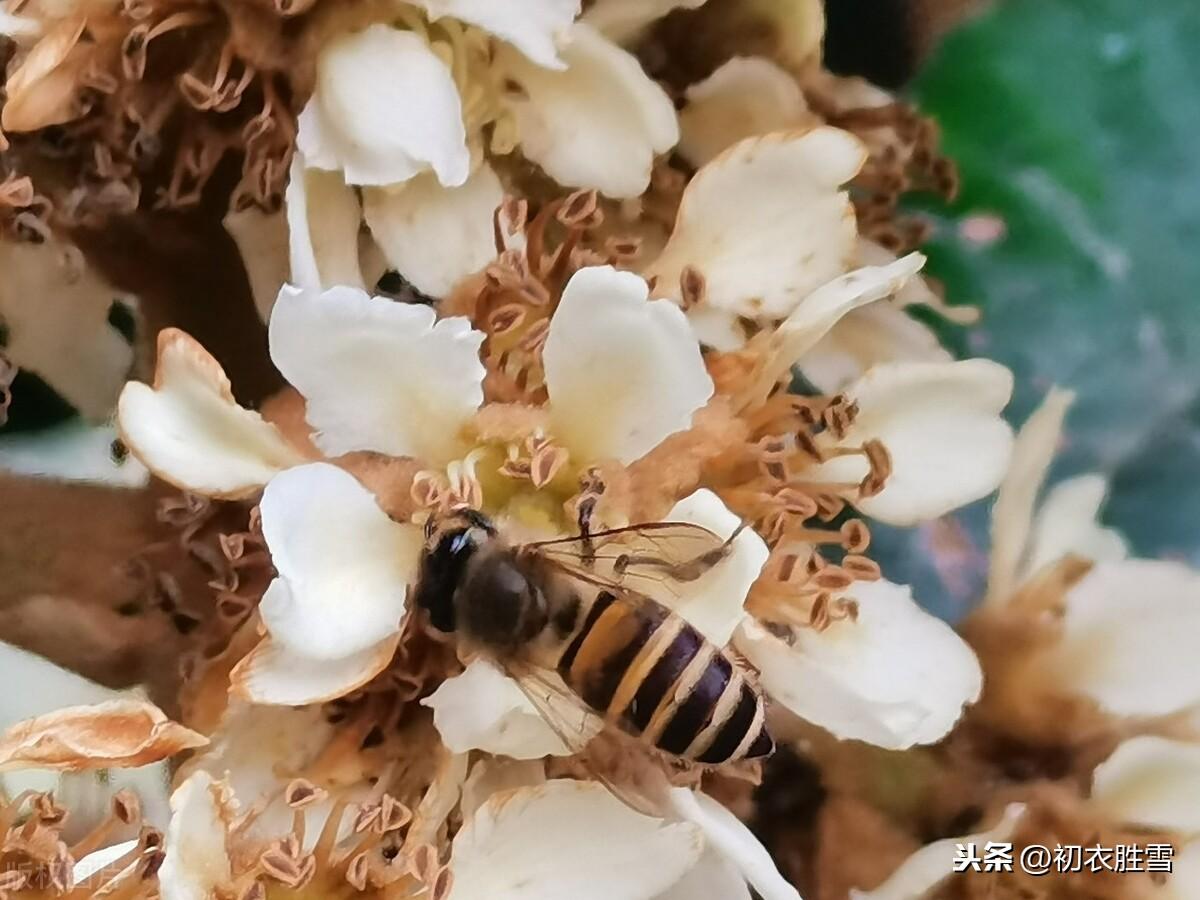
(649, 672)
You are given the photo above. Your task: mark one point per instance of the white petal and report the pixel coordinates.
(896, 677)
(188, 430)
(1150, 782)
(484, 709)
(94, 864)
(715, 877)
(728, 835)
(432, 235)
(344, 566)
(942, 427)
(714, 602)
(917, 291)
(598, 124)
(1012, 513)
(55, 311)
(257, 750)
(934, 863)
(197, 861)
(866, 337)
(19, 26)
(821, 311)
(262, 242)
(493, 774)
(624, 21)
(72, 451)
(276, 676)
(1066, 523)
(45, 687)
(766, 223)
(535, 27)
(1128, 638)
(746, 96)
(332, 221)
(622, 373)
(378, 375)
(568, 839)
(386, 108)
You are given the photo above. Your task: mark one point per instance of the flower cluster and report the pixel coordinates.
(513, 273)
(1085, 734)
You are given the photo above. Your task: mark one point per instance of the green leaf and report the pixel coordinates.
(1076, 124)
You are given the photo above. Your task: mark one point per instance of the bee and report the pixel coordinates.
(581, 609)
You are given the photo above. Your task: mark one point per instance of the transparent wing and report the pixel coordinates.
(578, 726)
(652, 559)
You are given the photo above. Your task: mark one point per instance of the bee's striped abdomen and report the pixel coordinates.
(650, 672)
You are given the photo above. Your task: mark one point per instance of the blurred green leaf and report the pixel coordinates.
(1076, 124)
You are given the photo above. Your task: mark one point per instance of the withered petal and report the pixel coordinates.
(121, 733)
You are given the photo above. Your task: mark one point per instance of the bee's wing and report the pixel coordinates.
(651, 559)
(577, 725)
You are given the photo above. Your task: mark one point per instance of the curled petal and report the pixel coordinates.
(188, 430)
(821, 311)
(867, 337)
(273, 675)
(1012, 514)
(1128, 638)
(324, 219)
(942, 428)
(745, 97)
(115, 733)
(262, 242)
(344, 566)
(378, 375)
(1150, 782)
(622, 372)
(728, 835)
(568, 839)
(433, 235)
(860, 678)
(934, 863)
(197, 861)
(713, 603)
(43, 89)
(484, 709)
(597, 124)
(535, 27)
(385, 109)
(1067, 523)
(766, 223)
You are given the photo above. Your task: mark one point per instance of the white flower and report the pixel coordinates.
(745, 97)
(766, 223)
(622, 373)
(893, 676)
(1126, 639)
(523, 838)
(942, 428)
(402, 111)
(1124, 636)
(568, 839)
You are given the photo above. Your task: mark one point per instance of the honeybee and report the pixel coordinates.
(573, 607)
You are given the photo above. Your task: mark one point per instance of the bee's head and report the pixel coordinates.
(449, 544)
